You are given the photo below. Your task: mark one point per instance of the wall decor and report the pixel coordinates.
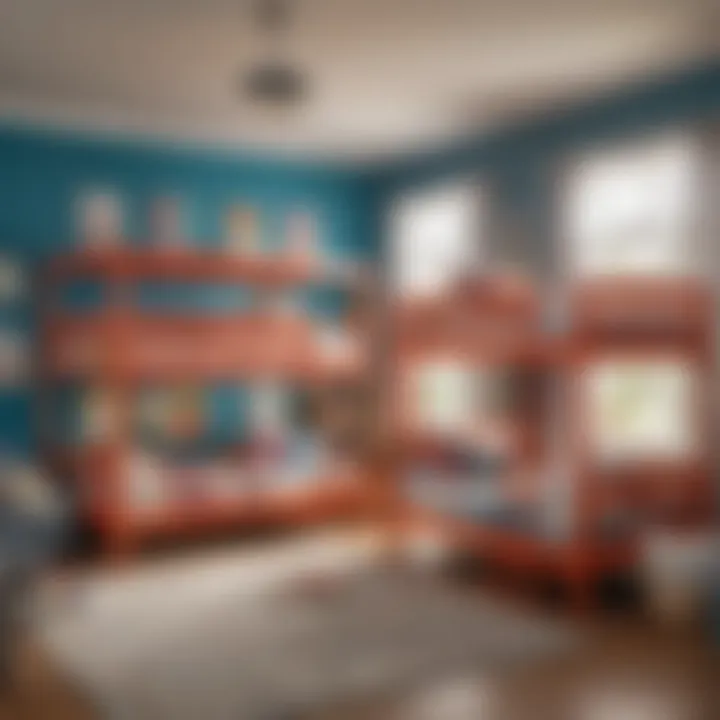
(100, 219)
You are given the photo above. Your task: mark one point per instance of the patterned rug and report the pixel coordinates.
(215, 643)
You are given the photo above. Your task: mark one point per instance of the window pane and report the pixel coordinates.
(631, 212)
(640, 410)
(446, 394)
(435, 238)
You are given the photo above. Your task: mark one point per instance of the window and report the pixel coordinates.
(446, 396)
(631, 211)
(435, 238)
(641, 410)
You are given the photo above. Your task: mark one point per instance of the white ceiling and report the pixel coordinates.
(387, 75)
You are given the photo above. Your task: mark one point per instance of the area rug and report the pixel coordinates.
(233, 640)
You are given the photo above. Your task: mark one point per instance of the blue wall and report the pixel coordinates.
(42, 174)
(519, 165)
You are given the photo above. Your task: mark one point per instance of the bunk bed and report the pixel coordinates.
(118, 347)
(544, 501)
(651, 338)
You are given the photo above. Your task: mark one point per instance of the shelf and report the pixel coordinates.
(135, 264)
(147, 347)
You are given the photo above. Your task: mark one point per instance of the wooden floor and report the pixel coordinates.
(38, 693)
(628, 671)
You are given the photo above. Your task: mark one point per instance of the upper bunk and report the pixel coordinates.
(641, 311)
(119, 336)
(489, 319)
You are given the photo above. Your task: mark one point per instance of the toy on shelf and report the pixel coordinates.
(288, 457)
(100, 219)
(242, 231)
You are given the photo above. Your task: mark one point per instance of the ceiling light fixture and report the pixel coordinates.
(274, 80)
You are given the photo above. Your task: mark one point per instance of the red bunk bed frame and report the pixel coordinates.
(120, 346)
(647, 319)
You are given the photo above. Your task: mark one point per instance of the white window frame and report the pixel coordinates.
(464, 247)
(632, 158)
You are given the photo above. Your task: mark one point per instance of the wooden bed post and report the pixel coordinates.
(120, 540)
